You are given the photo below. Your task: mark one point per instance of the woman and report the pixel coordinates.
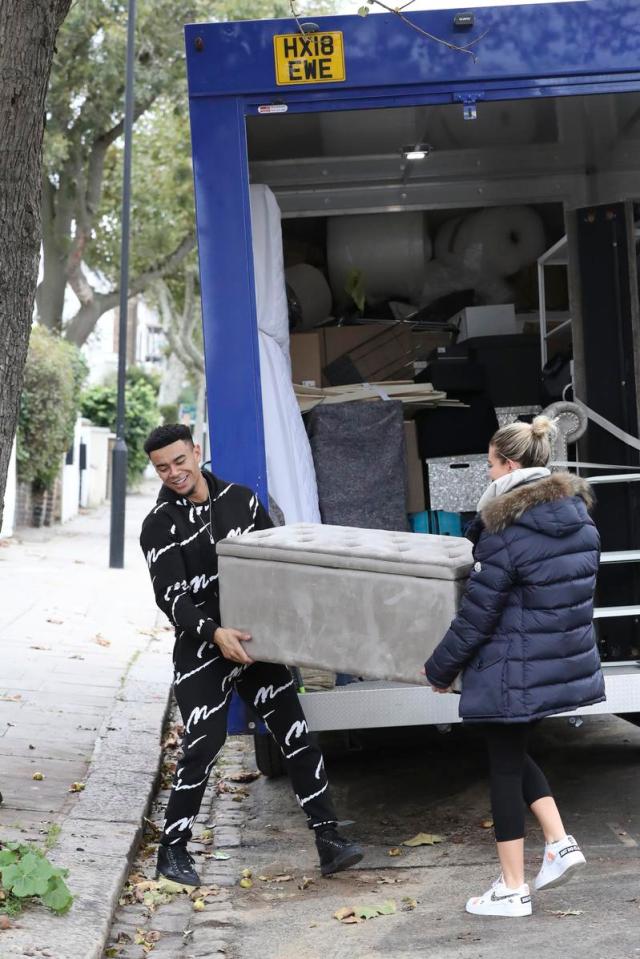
(524, 637)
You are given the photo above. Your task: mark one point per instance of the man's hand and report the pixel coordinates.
(229, 642)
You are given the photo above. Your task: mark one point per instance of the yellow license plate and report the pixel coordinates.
(309, 58)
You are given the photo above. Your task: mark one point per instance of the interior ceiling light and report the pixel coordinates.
(418, 152)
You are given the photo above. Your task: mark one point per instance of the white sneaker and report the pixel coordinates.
(500, 901)
(560, 860)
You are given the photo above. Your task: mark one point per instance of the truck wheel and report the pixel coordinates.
(269, 759)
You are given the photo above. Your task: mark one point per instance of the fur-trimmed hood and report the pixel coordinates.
(509, 508)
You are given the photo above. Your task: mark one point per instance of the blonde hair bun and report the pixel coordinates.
(542, 427)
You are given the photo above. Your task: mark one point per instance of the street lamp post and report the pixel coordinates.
(119, 460)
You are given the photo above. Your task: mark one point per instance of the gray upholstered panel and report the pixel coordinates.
(372, 621)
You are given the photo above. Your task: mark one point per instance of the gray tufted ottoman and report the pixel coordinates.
(369, 602)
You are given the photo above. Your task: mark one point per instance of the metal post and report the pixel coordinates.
(119, 460)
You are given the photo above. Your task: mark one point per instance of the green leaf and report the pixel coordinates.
(219, 854)
(29, 876)
(7, 857)
(363, 11)
(354, 287)
(387, 908)
(57, 897)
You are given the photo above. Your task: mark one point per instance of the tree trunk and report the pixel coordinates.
(57, 216)
(28, 30)
(171, 385)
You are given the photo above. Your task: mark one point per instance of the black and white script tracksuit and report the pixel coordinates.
(178, 540)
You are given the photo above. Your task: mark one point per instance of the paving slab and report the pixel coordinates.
(63, 696)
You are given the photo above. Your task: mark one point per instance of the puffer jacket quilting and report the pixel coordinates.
(524, 632)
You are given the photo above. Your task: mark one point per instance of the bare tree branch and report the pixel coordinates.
(93, 304)
(430, 36)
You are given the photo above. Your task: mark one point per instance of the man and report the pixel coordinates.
(194, 511)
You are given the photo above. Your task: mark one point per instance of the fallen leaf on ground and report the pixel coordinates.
(246, 874)
(283, 878)
(219, 854)
(389, 880)
(38, 777)
(199, 905)
(351, 914)
(101, 641)
(424, 839)
(395, 851)
(486, 824)
(563, 913)
(5, 923)
(146, 939)
(305, 882)
(408, 904)
(56, 622)
(343, 913)
(246, 883)
(244, 777)
(204, 892)
(77, 787)
(11, 699)
(44, 648)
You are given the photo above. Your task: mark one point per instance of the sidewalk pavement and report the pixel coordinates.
(84, 691)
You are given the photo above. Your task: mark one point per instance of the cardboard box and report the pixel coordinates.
(307, 358)
(384, 356)
(416, 501)
(339, 340)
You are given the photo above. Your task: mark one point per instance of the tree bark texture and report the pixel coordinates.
(28, 30)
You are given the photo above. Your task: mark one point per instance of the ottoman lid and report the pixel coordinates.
(347, 547)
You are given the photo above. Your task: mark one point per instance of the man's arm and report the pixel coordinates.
(172, 590)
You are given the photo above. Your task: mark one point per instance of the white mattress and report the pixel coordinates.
(291, 474)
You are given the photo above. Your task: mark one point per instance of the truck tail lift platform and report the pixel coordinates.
(267, 104)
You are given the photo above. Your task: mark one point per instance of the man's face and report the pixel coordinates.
(177, 465)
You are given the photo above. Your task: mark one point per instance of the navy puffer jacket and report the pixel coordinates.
(524, 633)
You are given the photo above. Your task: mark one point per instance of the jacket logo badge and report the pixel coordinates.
(478, 567)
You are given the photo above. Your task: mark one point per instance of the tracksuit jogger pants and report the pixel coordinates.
(203, 684)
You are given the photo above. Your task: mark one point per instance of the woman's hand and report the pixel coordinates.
(437, 689)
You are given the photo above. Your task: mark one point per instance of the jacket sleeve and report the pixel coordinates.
(169, 579)
(490, 582)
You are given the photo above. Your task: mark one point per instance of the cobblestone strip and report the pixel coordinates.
(179, 929)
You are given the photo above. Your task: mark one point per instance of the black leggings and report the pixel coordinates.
(514, 777)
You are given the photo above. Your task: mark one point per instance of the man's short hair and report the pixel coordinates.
(166, 435)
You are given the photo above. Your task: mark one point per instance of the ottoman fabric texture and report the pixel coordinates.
(373, 603)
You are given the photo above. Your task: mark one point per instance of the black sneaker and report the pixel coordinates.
(335, 852)
(176, 863)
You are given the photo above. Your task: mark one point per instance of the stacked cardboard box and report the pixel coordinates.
(374, 351)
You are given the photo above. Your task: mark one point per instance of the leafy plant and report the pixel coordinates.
(54, 375)
(99, 403)
(26, 873)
